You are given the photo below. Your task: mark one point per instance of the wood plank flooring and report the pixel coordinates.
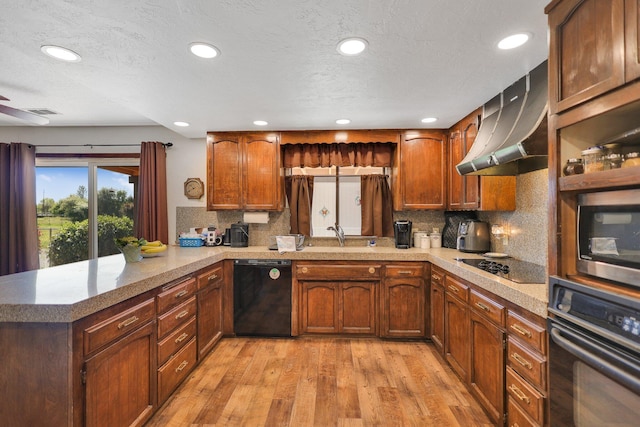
(321, 382)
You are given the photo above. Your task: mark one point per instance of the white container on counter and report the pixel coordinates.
(417, 238)
(436, 239)
(425, 241)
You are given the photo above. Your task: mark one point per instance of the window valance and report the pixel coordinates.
(341, 154)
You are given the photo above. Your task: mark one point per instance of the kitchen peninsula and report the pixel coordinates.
(64, 324)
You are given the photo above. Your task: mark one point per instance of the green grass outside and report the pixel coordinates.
(48, 227)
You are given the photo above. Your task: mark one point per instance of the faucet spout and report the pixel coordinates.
(339, 233)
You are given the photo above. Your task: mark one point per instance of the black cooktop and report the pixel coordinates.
(511, 269)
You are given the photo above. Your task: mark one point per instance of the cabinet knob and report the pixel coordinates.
(305, 270)
(372, 270)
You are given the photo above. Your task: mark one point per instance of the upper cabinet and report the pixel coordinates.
(470, 192)
(419, 175)
(244, 171)
(593, 49)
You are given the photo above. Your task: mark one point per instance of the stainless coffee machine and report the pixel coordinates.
(402, 233)
(473, 236)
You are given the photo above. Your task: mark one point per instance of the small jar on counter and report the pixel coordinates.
(592, 159)
(631, 159)
(573, 167)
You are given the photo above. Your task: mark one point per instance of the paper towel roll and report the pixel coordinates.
(256, 217)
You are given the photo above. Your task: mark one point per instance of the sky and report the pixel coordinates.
(59, 182)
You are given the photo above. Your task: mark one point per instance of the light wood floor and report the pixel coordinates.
(321, 382)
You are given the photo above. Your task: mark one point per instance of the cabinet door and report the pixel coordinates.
(209, 317)
(586, 56)
(632, 39)
(319, 307)
(486, 375)
(358, 308)
(224, 172)
(261, 172)
(457, 335)
(403, 308)
(120, 384)
(463, 190)
(422, 171)
(437, 316)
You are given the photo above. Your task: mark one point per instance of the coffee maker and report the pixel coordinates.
(239, 235)
(402, 233)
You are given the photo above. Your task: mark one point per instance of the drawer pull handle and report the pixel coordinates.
(182, 366)
(212, 277)
(305, 270)
(182, 314)
(515, 425)
(452, 288)
(482, 306)
(182, 337)
(130, 321)
(372, 270)
(405, 272)
(521, 360)
(435, 278)
(181, 293)
(519, 394)
(519, 329)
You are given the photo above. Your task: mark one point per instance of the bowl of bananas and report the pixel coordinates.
(152, 249)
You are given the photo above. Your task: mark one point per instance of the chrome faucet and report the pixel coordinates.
(339, 233)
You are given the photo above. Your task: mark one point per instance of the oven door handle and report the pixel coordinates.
(599, 363)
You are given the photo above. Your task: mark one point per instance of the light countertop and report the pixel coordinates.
(70, 292)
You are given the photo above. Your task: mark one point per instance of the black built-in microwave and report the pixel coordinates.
(608, 232)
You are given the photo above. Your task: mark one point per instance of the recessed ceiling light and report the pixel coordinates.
(60, 53)
(513, 41)
(204, 50)
(352, 46)
(181, 124)
(343, 121)
(429, 120)
(260, 123)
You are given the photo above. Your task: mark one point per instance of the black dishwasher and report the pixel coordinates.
(262, 297)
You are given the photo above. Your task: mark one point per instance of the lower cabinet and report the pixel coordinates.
(120, 381)
(475, 328)
(210, 308)
(403, 301)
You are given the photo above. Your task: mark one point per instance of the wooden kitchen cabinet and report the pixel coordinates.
(436, 304)
(457, 337)
(471, 192)
(420, 178)
(403, 301)
(118, 372)
(210, 308)
(488, 342)
(244, 171)
(588, 47)
(337, 298)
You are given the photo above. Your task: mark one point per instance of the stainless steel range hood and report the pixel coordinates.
(512, 138)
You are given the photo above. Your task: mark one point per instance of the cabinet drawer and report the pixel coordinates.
(215, 275)
(338, 272)
(517, 417)
(175, 370)
(527, 363)
(487, 307)
(171, 319)
(457, 288)
(117, 326)
(526, 331)
(525, 396)
(174, 341)
(437, 276)
(176, 294)
(399, 270)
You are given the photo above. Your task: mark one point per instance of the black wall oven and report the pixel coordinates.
(594, 356)
(608, 232)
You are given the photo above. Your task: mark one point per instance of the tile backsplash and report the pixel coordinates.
(528, 223)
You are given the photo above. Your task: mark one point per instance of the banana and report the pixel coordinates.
(153, 249)
(154, 243)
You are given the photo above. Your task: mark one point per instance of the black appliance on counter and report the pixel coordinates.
(402, 233)
(509, 268)
(239, 235)
(594, 356)
(262, 297)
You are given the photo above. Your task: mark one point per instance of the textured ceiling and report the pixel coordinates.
(279, 61)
